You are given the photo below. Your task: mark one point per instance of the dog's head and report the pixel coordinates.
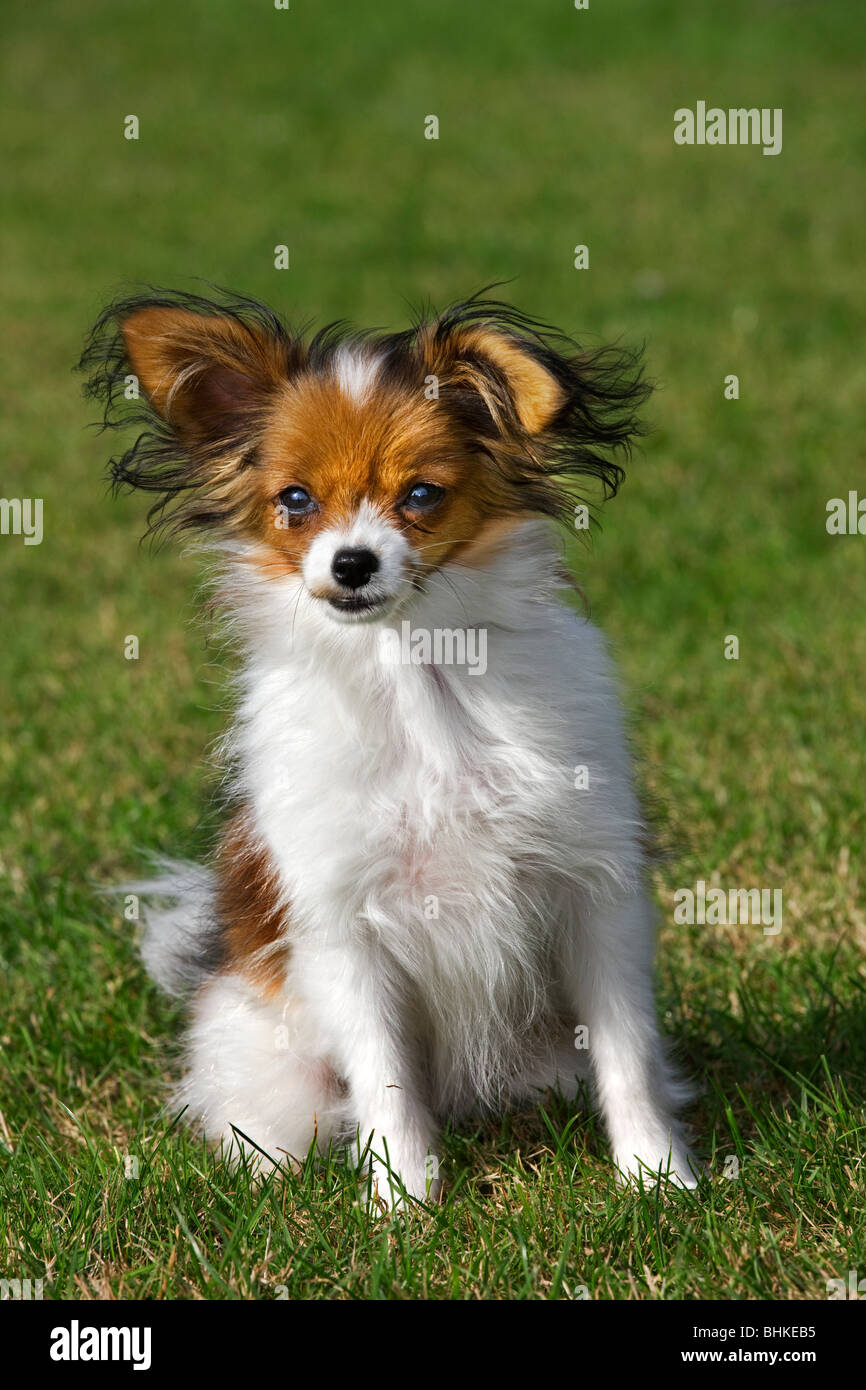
(360, 462)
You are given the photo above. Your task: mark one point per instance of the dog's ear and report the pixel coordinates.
(205, 375)
(544, 411)
(534, 392)
(196, 376)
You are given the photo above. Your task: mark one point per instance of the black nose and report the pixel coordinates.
(353, 568)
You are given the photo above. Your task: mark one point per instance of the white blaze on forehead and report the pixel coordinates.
(356, 369)
(368, 529)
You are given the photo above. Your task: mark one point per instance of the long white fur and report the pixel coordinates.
(356, 370)
(457, 905)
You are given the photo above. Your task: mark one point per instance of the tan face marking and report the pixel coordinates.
(348, 455)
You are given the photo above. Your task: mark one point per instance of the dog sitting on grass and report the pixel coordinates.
(417, 900)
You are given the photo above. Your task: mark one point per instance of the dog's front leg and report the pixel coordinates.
(611, 987)
(364, 1006)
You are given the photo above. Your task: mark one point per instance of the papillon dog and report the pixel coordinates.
(430, 898)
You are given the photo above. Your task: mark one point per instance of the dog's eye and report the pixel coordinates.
(297, 501)
(423, 496)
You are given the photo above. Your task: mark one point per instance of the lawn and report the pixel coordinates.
(261, 127)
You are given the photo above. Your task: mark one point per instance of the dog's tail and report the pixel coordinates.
(180, 944)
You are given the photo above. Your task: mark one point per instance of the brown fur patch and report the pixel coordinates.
(252, 917)
(344, 453)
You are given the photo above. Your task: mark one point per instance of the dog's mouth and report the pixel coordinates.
(353, 605)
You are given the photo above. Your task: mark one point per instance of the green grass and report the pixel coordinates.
(305, 127)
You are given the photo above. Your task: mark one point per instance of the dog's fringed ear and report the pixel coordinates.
(483, 360)
(196, 376)
(205, 375)
(547, 413)
(536, 394)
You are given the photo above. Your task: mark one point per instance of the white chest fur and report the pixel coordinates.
(432, 813)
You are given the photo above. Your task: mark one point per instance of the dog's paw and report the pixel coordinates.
(676, 1166)
(397, 1187)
